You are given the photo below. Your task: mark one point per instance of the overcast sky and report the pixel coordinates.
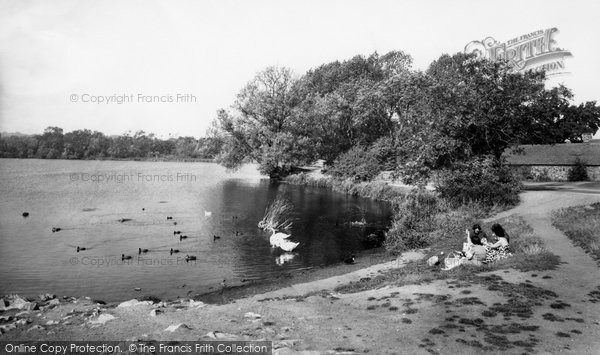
(55, 52)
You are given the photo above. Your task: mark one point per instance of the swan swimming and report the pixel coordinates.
(277, 238)
(287, 245)
(280, 240)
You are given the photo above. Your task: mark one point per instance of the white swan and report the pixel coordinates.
(280, 240)
(277, 238)
(287, 245)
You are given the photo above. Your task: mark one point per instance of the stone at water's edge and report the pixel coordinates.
(47, 296)
(103, 318)
(220, 335)
(252, 315)
(17, 302)
(155, 312)
(134, 303)
(181, 326)
(434, 260)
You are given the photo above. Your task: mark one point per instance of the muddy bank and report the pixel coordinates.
(234, 291)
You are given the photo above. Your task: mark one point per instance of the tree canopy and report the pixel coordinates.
(282, 122)
(460, 108)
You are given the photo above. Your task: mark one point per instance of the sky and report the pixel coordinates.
(59, 59)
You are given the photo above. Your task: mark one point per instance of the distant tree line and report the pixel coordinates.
(86, 144)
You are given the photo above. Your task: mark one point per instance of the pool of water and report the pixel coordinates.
(113, 208)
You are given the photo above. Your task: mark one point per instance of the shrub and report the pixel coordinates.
(357, 163)
(484, 180)
(305, 179)
(414, 220)
(452, 222)
(578, 171)
(541, 176)
(385, 152)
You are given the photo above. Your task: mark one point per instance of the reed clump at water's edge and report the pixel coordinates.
(377, 190)
(277, 214)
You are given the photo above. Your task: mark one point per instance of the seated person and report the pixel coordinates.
(498, 249)
(478, 232)
(475, 254)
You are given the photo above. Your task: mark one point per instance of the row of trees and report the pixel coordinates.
(86, 144)
(461, 113)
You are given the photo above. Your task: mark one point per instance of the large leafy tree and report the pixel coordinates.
(472, 108)
(579, 119)
(352, 103)
(555, 119)
(262, 127)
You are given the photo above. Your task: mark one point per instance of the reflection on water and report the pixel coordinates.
(284, 258)
(216, 212)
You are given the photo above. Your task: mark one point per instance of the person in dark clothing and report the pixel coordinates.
(476, 231)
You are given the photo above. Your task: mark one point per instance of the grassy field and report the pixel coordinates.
(581, 224)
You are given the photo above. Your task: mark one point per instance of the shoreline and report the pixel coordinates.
(366, 258)
(231, 293)
(24, 319)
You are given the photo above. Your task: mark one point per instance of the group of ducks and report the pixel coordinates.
(277, 239)
(140, 250)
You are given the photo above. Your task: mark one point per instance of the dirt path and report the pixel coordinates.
(578, 274)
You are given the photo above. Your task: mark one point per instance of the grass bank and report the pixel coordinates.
(377, 190)
(423, 220)
(529, 254)
(581, 224)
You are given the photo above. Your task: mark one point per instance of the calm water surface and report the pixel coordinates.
(113, 208)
